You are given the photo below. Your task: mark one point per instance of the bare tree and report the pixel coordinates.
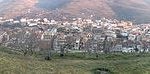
(25, 41)
(61, 43)
(95, 47)
(81, 43)
(105, 47)
(145, 46)
(31, 42)
(69, 42)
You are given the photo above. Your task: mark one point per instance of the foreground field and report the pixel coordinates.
(12, 62)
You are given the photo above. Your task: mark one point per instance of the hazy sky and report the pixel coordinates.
(1, 0)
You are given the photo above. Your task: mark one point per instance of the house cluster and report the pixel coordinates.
(104, 35)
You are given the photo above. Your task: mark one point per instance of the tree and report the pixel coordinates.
(145, 46)
(95, 47)
(81, 43)
(25, 41)
(61, 43)
(69, 42)
(62, 51)
(31, 42)
(105, 47)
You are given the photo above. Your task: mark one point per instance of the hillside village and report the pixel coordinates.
(74, 35)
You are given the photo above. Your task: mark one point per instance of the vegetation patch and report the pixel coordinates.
(102, 71)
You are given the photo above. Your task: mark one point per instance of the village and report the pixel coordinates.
(75, 35)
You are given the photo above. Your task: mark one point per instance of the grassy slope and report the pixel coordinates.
(12, 62)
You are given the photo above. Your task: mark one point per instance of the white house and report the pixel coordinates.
(132, 37)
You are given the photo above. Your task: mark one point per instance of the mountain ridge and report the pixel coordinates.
(132, 10)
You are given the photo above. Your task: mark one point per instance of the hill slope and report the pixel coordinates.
(12, 62)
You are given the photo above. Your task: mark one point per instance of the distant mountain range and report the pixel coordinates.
(137, 11)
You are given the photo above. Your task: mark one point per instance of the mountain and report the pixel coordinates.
(133, 10)
(13, 8)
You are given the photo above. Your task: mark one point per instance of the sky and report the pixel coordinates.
(1, 0)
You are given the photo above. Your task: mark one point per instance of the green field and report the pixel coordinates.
(13, 62)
